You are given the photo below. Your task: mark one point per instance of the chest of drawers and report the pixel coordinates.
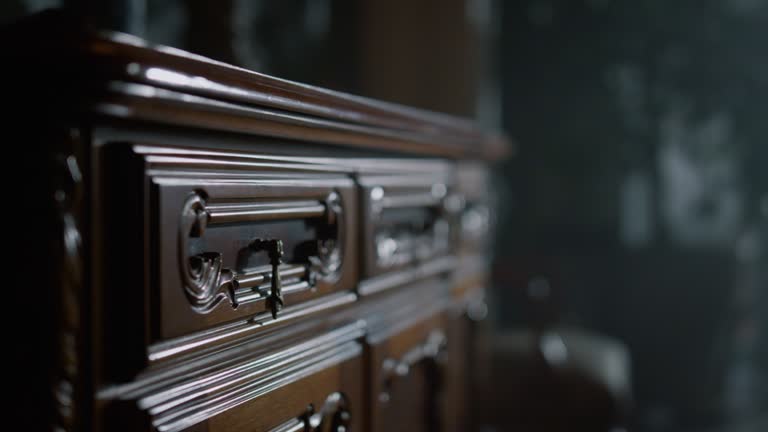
(228, 251)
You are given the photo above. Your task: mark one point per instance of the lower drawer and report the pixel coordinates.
(259, 385)
(329, 400)
(407, 373)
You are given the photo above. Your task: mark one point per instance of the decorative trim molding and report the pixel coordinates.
(207, 283)
(68, 196)
(179, 399)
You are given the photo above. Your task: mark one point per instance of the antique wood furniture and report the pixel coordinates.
(228, 251)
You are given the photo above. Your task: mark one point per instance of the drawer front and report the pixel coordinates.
(225, 240)
(475, 224)
(407, 374)
(411, 220)
(306, 381)
(230, 250)
(330, 400)
(475, 219)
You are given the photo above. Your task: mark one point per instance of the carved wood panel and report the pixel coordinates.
(407, 376)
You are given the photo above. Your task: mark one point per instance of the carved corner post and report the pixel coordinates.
(69, 286)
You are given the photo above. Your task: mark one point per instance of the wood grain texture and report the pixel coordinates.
(219, 388)
(191, 194)
(129, 77)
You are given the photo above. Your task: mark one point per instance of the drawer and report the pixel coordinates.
(407, 374)
(470, 278)
(412, 222)
(475, 219)
(329, 400)
(306, 385)
(200, 240)
(457, 373)
(475, 223)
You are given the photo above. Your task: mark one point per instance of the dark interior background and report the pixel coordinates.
(635, 208)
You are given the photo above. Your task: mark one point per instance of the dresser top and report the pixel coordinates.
(127, 77)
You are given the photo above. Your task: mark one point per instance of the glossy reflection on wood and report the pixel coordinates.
(237, 252)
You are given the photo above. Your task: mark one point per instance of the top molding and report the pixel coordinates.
(127, 77)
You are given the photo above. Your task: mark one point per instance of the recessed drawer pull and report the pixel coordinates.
(409, 226)
(207, 282)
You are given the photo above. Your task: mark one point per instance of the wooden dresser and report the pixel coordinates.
(228, 251)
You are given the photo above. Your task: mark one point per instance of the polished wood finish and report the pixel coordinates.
(236, 252)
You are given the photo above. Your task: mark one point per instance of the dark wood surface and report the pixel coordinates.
(178, 191)
(128, 78)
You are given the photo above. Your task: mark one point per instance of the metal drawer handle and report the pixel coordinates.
(207, 283)
(393, 369)
(334, 416)
(402, 242)
(274, 249)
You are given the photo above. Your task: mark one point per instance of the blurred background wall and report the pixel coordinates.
(633, 217)
(639, 194)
